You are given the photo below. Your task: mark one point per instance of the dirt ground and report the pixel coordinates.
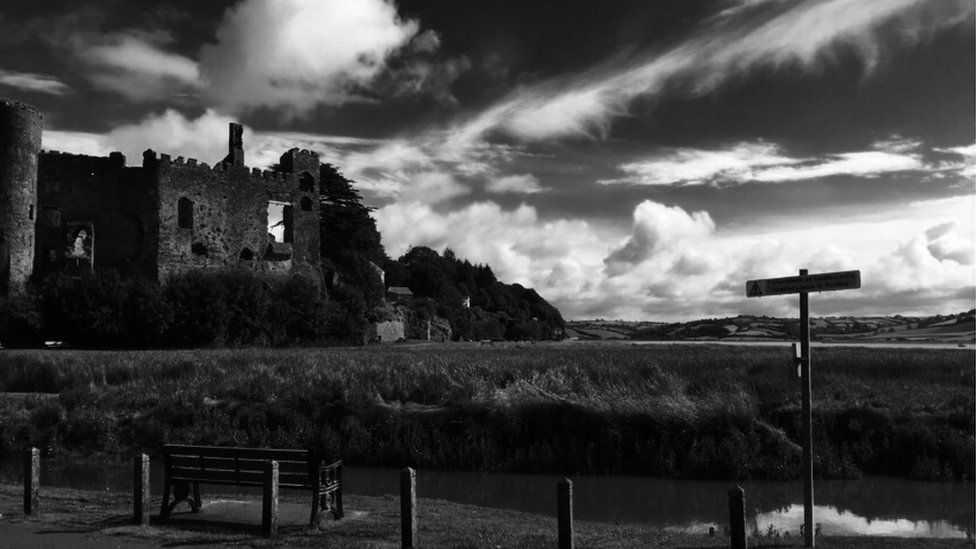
(87, 519)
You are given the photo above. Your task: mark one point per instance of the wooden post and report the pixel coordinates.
(806, 388)
(32, 480)
(737, 517)
(564, 512)
(269, 507)
(140, 490)
(408, 508)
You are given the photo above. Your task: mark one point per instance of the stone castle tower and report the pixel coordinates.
(20, 143)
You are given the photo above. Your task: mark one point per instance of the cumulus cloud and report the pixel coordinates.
(32, 82)
(557, 257)
(657, 228)
(938, 261)
(802, 33)
(296, 54)
(170, 132)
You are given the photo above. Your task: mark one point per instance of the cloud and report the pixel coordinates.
(32, 82)
(768, 163)
(431, 188)
(864, 164)
(658, 228)
(296, 54)
(136, 65)
(740, 162)
(938, 262)
(204, 137)
(557, 257)
(515, 184)
(803, 33)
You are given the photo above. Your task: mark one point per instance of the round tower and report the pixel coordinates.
(20, 142)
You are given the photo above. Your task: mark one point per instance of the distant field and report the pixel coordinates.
(694, 411)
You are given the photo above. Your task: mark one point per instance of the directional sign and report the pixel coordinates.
(823, 282)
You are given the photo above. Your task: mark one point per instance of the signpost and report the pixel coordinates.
(803, 285)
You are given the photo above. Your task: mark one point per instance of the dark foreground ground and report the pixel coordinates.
(88, 519)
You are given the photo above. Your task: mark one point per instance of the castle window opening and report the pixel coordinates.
(280, 222)
(306, 183)
(306, 204)
(185, 213)
(30, 212)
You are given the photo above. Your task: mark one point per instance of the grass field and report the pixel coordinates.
(692, 411)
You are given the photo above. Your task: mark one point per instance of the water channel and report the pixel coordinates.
(870, 506)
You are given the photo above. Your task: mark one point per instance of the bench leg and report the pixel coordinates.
(337, 512)
(269, 507)
(181, 493)
(197, 503)
(313, 521)
(164, 509)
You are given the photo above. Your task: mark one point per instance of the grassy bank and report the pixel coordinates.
(72, 518)
(694, 411)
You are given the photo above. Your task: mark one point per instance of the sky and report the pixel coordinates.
(628, 159)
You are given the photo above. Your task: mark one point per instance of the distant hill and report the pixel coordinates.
(957, 328)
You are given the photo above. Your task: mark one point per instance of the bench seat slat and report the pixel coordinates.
(208, 462)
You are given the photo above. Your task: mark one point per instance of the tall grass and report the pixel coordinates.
(708, 411)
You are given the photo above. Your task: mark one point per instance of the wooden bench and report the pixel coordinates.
(186, 467)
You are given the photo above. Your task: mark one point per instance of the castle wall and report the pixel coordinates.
(74, 214)
(117, 204)
(20, 141)
(228, 226)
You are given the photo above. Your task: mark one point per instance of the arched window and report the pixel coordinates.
(306, 203)
(306, 183)
(184, 213)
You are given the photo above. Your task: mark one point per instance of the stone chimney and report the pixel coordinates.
(235, 153)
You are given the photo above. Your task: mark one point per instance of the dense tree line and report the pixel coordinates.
(469, 296)
(352, 254)
(231, 308)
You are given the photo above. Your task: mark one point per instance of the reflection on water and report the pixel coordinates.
(869, 506)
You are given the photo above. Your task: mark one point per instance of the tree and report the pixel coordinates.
(347, 228)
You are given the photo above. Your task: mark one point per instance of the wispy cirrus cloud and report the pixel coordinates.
(33, 82)
(524, 183)
(766, 162)
(775, 34)
(137, 65)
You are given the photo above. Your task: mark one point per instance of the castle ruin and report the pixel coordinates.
(73, 214)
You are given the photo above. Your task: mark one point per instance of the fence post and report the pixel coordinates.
(269, 505)
(737, 517)
(408, 508)
(32, 480)
(140, 490)
(564, 511)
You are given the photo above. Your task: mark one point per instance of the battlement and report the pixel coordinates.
(114, 158)
(11, 104)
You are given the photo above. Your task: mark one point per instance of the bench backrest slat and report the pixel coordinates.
(277, 454)
(232, 464)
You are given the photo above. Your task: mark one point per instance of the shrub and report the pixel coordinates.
(20, 321)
